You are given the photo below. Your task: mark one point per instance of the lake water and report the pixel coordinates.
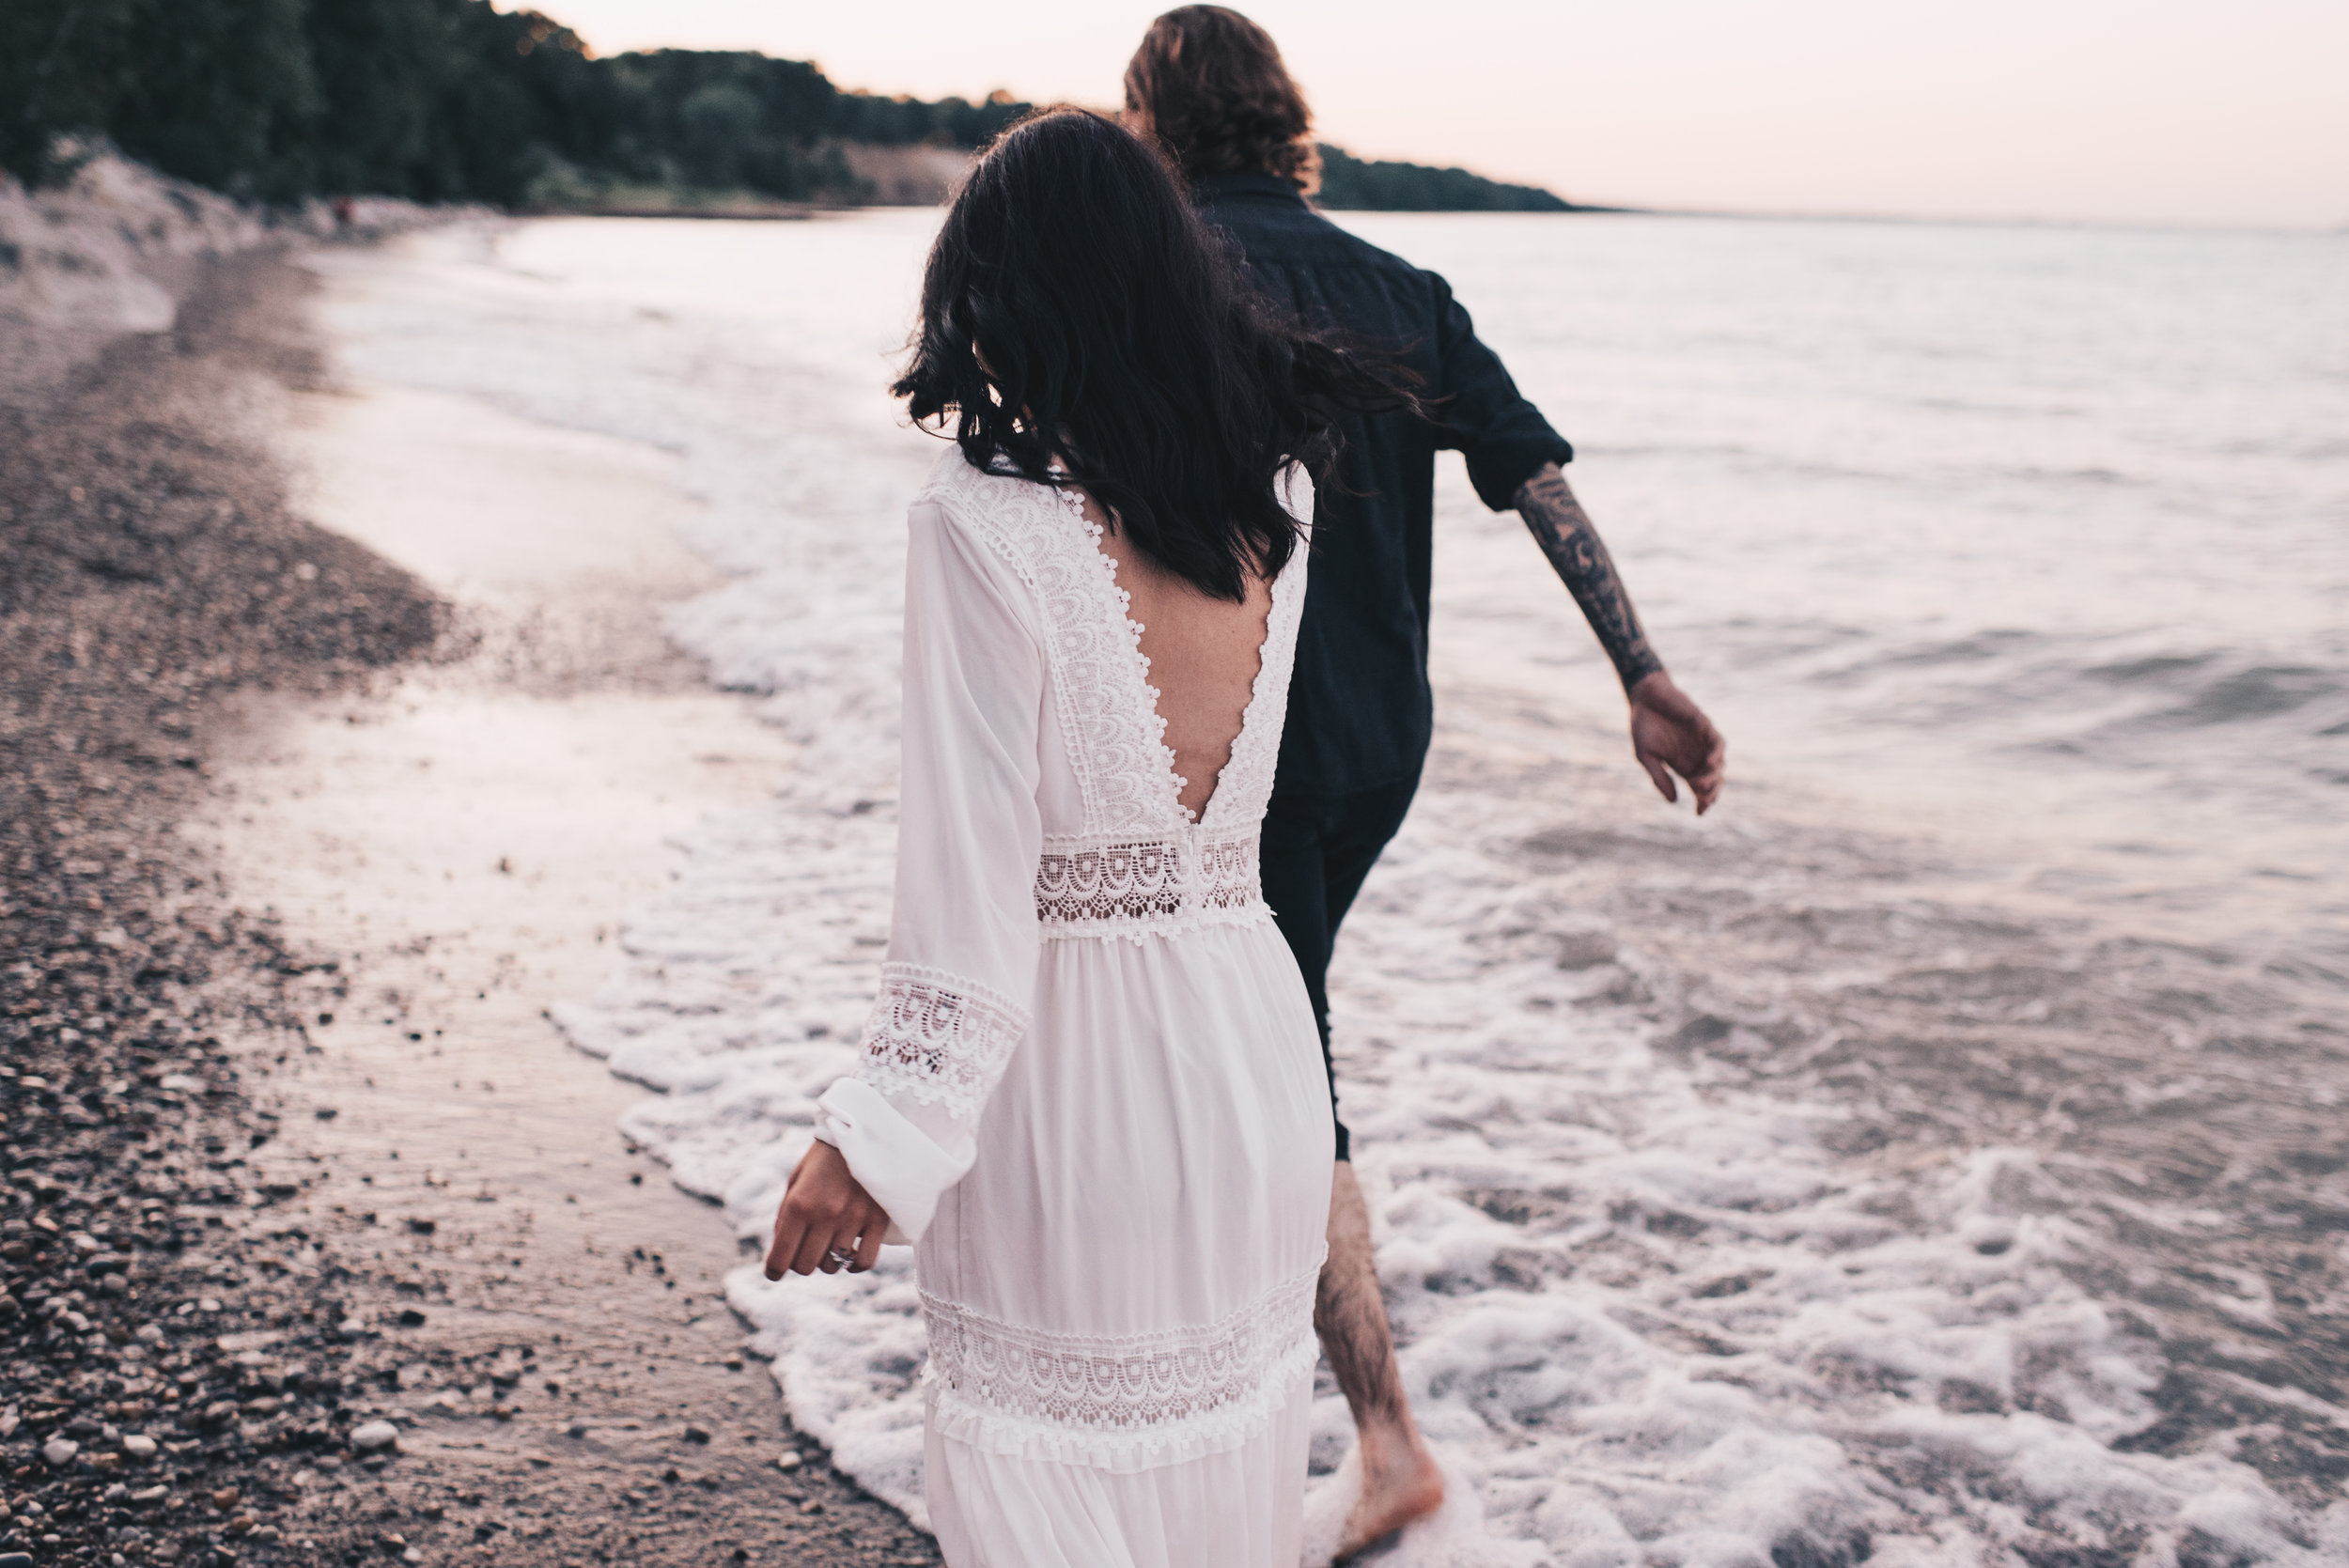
(1934, 1156)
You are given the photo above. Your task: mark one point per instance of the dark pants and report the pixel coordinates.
(1318, 849)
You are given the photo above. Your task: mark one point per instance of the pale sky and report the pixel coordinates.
(2164, 110)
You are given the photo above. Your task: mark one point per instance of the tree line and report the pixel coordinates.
(437, 101)
(1361, 184)
(451, 100)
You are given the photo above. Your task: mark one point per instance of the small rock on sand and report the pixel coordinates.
(373, 1436)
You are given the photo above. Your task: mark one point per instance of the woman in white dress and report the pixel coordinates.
(1091, 1092)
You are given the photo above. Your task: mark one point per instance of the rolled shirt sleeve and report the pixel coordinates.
(1481, 412)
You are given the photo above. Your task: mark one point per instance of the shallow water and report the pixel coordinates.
(1935, 1155)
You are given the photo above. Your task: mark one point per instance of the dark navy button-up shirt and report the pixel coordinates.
(1359, 711)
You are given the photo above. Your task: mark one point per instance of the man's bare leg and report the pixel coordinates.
(1400, 1481)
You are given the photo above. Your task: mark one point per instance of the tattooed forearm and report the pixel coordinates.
(1580, 559)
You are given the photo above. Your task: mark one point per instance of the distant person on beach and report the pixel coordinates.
(1211, 86)
(1086, 1092)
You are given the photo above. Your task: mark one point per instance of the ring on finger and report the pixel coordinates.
(839, 1257)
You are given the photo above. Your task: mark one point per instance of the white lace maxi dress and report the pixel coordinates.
(1091, 1089)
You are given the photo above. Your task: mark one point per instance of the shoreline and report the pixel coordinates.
(359, 1284)
(1957, 1198)
(465, 846)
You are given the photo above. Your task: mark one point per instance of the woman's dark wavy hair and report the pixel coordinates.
(1125, 353)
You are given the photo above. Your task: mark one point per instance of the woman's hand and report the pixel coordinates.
(828, 1221)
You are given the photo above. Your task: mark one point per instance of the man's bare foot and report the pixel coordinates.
(1401, 1486)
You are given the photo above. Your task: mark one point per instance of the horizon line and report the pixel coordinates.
(2157, 225)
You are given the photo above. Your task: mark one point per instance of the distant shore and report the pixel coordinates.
(926, 175)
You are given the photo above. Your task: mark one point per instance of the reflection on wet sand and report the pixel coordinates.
(461, 851)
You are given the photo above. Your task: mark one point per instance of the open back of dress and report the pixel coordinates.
(1201, 656)
(1092, 1086)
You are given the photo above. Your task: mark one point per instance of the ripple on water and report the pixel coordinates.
(1816, 1185)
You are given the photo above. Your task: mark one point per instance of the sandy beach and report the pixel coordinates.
(385, 1213)
(1928, 1160)
(465, 847)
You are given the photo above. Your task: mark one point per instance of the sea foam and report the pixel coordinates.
(1658, 1301)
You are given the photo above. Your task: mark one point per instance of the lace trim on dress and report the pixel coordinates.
(1126, 886)
(1121, 1404)
(1124, 602)
(938, 1037)
(1101, 678)
(1042, 531)
(1142, 866)
(1247, 774)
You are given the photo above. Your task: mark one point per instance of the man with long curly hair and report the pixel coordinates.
(1211, 86)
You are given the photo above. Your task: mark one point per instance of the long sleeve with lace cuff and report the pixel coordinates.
(964, 942)
(933, 1048)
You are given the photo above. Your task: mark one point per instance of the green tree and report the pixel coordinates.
(53, 75)
(204, 90)
(1348, 182)
(372, 124)
(435, 99)
(719, 126)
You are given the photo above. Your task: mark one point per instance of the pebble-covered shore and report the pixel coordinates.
(153, 571)
(216, 1346)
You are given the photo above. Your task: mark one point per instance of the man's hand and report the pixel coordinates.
(1670, 734)
(826, 1216)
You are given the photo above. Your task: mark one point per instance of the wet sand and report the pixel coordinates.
(570, 1384)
